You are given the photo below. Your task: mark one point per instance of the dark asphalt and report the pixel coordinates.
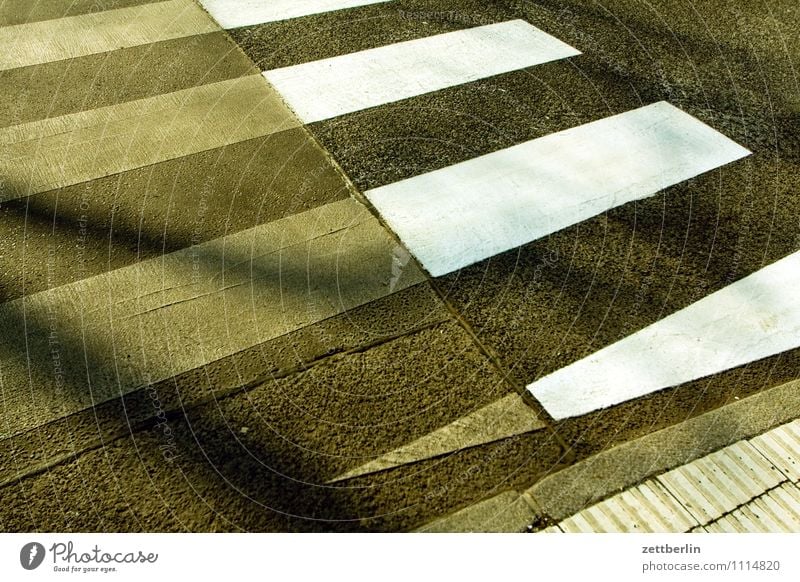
(252, 439)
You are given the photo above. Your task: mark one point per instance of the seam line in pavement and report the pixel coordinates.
(178, 413)
(555, 497)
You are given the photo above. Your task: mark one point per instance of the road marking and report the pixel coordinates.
(43, 155)
(75, 346)
(756, 317)
(509, 416)
(459, 215)
(236, 13)
(25, 11)
(335, 86)
(77, 36)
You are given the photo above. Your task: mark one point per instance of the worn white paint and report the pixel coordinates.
(236, 13)
(76, 36)
(756, 317)
(509, 416)
(78, 147)
(461, 214)
(343, 84)
(75, 346)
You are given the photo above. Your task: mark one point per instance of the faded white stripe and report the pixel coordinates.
(236, 13)
(70, 149)
(456, 216)
(76, 36)
(756, 317)
(72, 347)
(503, 418)
(331, 87)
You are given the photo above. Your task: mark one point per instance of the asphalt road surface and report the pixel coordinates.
(355, 266)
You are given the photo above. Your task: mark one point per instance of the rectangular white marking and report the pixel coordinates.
(456, 216)
(74, 346)
(754, 318)
(335, 86)
(60, 151)
(236, 13)
(77, 36)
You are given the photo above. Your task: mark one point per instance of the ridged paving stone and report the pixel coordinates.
(646, 508)
(777, 511)
(782, 447)
(720, 482)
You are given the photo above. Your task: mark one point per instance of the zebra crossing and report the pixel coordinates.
(333, 87)
(488, 205)
(306, 251)
(237, 13)
(459, 215)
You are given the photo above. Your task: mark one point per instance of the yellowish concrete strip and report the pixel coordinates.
(568, 491)
(70, 149)
(76, 36)
(68, 348)
(646, 508)
(501, 419)
(504, 513)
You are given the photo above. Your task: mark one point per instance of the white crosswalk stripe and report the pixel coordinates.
(457, 216)
(237, 13)
(331, 87)
(756, 317)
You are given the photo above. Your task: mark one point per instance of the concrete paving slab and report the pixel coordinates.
(777, 511)
(731, 490)
(720, 482)
(588, 481)
(781, 447)
(647, 508)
